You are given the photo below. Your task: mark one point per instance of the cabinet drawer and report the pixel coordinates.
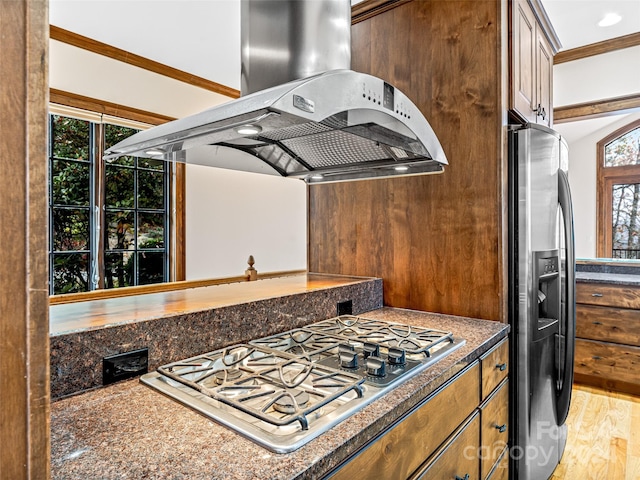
(494, 419)
(457, 459)
(608, 295)
(401, 450)
(495, 367)
(615, 364)
(608, 324)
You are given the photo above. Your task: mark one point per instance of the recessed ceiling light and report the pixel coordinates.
(249, 129)
(609, 19)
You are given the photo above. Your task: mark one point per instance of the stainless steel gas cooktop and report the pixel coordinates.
(284, 390)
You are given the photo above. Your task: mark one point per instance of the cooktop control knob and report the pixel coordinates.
(371, 349)
(348, 356)
(397, 356)
(375, 366)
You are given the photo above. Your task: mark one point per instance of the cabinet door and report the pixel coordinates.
(544, 74)
(458, 459)
(523, 67)
(495, 367)
(494, 418)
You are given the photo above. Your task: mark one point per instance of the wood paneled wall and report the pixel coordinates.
(437, 241)
(24, 327)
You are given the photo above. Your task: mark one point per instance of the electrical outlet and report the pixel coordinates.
(125, 365)
(345, 308)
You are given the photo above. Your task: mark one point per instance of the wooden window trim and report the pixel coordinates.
(606, 178)
(177, 260)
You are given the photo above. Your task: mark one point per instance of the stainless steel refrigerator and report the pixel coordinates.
(541, 299)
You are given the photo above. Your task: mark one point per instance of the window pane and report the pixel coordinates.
(118, 269)
(150, 267)
(120, 187)
(150, 189)
(626, 221)
(70, 229)
(70, 272)
(120, 230)
(115, 133)
(624, 150)
(70, 138)
(150, 163)
(150, 230)
(70, 182)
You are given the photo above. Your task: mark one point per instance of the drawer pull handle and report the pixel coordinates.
(597, 323)
(597, 357)
(596, 295)
(501, 366)
(502, 428)
(466, 477)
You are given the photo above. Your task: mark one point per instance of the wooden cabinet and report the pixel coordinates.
(531, 63)
(399, 451)
(456, 432)
(608, 336)
(494, 410)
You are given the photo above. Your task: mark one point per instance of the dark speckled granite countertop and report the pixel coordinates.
(610, 278)
(129, 431)
(608, 271)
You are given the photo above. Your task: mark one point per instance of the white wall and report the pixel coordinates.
(231, 215)
(598, 77)
(199, 37)
(582, 179)
(590, 79)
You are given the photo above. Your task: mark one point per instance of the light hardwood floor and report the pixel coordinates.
(604, 437)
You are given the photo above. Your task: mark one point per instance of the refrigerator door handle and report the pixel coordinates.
(565, 382)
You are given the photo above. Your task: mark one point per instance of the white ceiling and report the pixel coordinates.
(576, 21)
(203, 36)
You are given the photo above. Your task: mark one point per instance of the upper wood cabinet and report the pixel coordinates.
(533, 44)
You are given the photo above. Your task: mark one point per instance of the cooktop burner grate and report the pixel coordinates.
(284, 390)
(259, 382)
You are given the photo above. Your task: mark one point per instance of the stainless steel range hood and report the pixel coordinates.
(332, 125)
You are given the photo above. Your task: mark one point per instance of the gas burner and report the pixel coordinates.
(284, 390)
(291, 401)
(227, 375)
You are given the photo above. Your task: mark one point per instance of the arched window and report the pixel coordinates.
(618, 195)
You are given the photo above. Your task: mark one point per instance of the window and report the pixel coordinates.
(109, 221)
(618, 194)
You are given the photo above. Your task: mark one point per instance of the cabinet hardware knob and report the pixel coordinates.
(501, 366)
(466, 477)
(597, 323)
(597, 357)
(502, 428)
(596, 295)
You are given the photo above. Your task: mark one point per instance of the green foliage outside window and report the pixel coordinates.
(134, 215)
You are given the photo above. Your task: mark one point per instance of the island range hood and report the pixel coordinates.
(303, 113)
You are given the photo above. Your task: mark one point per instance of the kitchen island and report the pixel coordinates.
(608, 325)
(128, 430)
